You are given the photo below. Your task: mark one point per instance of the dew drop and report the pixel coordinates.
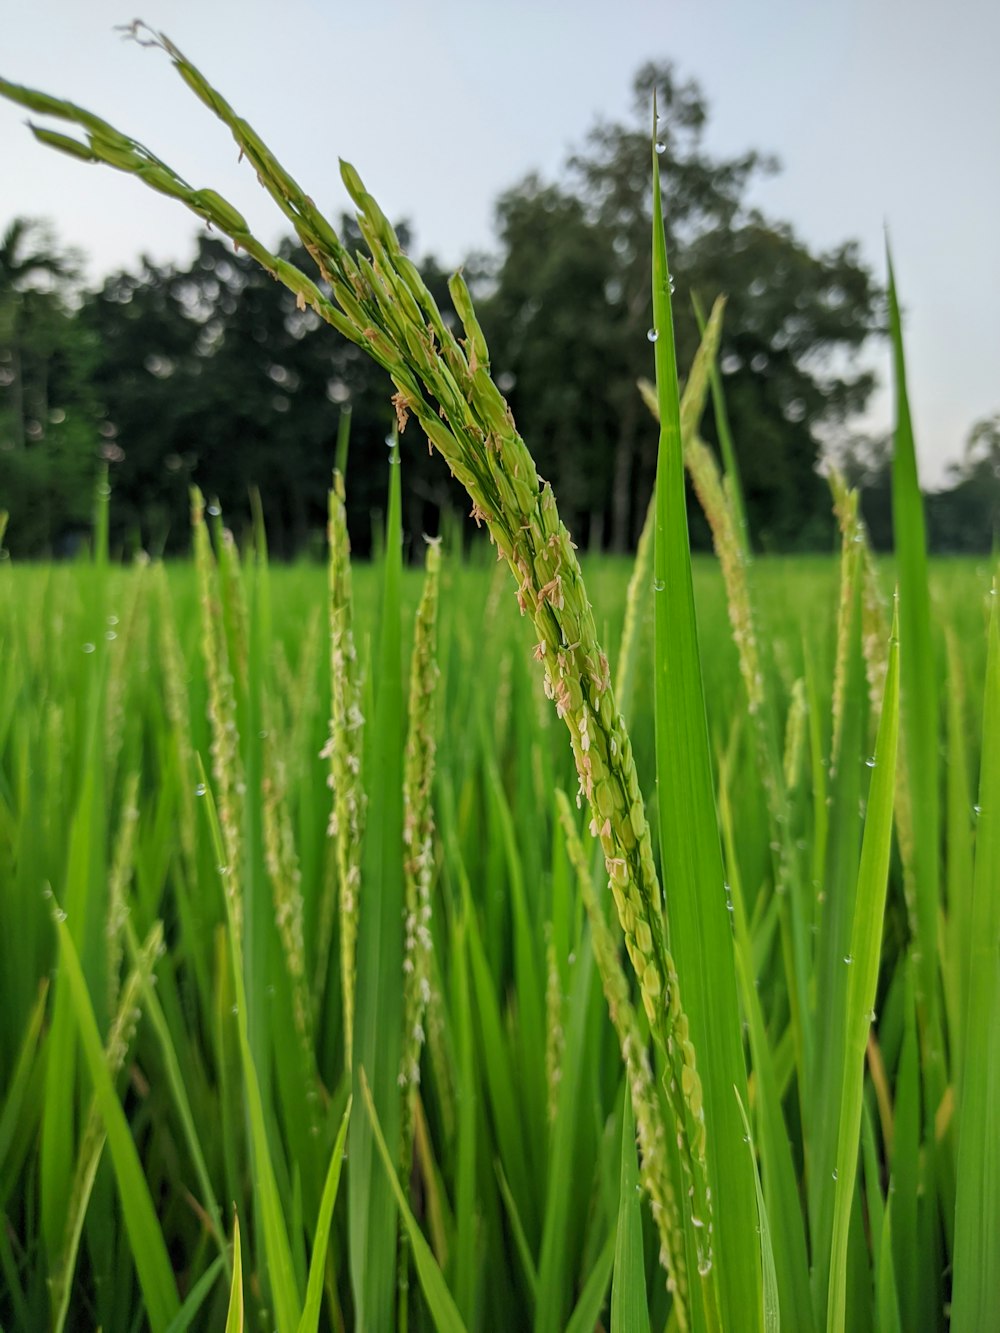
(704, 1267)
(104, 490)
(658, 585)
(109, 634)
(977, 809)
(672, 285)
(235, 1009)
(652, 335)
(835, 1175)
(696, 1221)
(59, 914)
(201, 789)
(661, 148)
(88, 647)
(214, 510)
(870, 761)
(848, 959)
(112, 620)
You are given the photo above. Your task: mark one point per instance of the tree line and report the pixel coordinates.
(209, 374)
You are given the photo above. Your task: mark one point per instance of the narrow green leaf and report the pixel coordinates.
(918, 692)
(629, 1307)
(442, 1308)
(175, 1078)
(887, 1302)
(906, 1164)
(863, 962)
(587, 1310)
(197, 1297)
(977, 1208)
(729, 462)
(145, 1237)
(786, 1225)
(520, 1239)
(771, 1315)
(373, 1224)
(690, 851)
(313, 1307)
(555, 1271)
(20, 1077)
(280, 1266)
(234, 1316)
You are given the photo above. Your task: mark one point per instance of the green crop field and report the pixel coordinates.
(338, 990)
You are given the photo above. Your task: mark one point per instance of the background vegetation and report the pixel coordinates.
(210, 372)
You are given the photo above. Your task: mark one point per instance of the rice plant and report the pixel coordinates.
(688, 1024)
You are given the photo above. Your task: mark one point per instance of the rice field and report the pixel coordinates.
(340, 991)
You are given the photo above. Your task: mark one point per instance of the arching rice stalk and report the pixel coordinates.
(383, 305)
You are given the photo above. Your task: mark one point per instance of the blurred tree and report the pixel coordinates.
(966, 515)
(567, 306)
(963, 516)
(212, 375)
(48, 412)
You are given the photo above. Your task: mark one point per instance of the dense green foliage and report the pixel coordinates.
(151, 848)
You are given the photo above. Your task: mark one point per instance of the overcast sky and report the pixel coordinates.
(882, 112)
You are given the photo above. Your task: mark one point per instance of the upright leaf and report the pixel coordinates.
(690, 850)
(977, 1206)
(379, 1011)
(863, 963)
(629, 1310)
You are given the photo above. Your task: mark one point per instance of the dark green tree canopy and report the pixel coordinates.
(48, 462)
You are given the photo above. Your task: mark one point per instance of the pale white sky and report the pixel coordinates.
(881, 111)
